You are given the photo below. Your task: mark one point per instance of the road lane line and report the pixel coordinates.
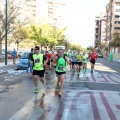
(107, 106)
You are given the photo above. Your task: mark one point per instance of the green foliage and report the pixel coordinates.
(77, 47)
(19, 35)
(45, 35)
(90, 48)
(116, 40)
(106, 48)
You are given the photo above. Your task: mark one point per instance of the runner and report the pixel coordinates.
(73, 57)
(93, 56)
(39, 61)
(48, 56)
(85, 57)
(61, 69)
(79, 59)
(52, 57)
(70, 60)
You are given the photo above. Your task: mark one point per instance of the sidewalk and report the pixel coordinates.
(4, 68)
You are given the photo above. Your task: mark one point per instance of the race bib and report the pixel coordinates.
(37, 60)
(60, 68)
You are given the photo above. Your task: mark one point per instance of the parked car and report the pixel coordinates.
(20, 53)
(9, 54)
(100, 55)
(3, 56)
(23, 62)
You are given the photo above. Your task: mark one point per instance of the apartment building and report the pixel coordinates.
(100, 30)
(113, 18)
(52, 11)
(28, 11)
(56, 13)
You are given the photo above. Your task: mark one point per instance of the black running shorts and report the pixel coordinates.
(79, 63)
(73, 63)
(92, 61)
(48, 63)
(60, 73)
(40, 73)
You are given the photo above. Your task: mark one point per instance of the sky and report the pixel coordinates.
(81, 20)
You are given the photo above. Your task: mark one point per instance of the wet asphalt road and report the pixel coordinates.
(18, 101)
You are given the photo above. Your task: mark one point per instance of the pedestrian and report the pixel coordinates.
(14, 54)
(39, 63)
(30, 65)
(61, 68)
(92, 56)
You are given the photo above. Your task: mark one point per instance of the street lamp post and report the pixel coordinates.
(6, 30)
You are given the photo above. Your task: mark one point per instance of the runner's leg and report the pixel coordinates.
(41, 75)
(35, 81)
(61, 79)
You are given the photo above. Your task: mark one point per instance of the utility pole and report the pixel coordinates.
(6, 30)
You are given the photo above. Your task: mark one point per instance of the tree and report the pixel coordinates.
(19, 35)
(76, 47)
(45, 35)
(116, 40)
(13, 13)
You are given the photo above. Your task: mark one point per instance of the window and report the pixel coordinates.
(117, 10)
(117, 22)
(117, 16)
(96, 37)
(117, 4)
(117, 28)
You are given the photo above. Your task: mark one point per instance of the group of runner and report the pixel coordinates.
(59, 61)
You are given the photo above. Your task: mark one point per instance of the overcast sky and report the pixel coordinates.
(81, 15)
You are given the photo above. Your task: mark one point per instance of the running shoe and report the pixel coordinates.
(60, 94)
(36, 90)
(43, 82)
(91, 71)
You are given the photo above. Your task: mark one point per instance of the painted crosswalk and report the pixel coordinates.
(97, 78)
(83, 105)
(80, 103)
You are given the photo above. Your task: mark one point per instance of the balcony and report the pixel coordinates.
(116, 0)
(96, 41)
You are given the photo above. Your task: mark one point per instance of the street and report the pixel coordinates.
(94, 97)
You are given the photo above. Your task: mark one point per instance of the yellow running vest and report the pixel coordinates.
(38, 62)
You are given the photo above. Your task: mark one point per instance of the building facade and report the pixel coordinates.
(100, 30)
(52, 11)
(28, 11)
(113, 19)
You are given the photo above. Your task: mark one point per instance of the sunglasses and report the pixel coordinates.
(36, 49)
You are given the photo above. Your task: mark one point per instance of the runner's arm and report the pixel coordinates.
(45, 60)
(55, 59)
(32, 60)
(67, 60)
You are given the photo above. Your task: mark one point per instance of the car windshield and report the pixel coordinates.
(24, 56)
